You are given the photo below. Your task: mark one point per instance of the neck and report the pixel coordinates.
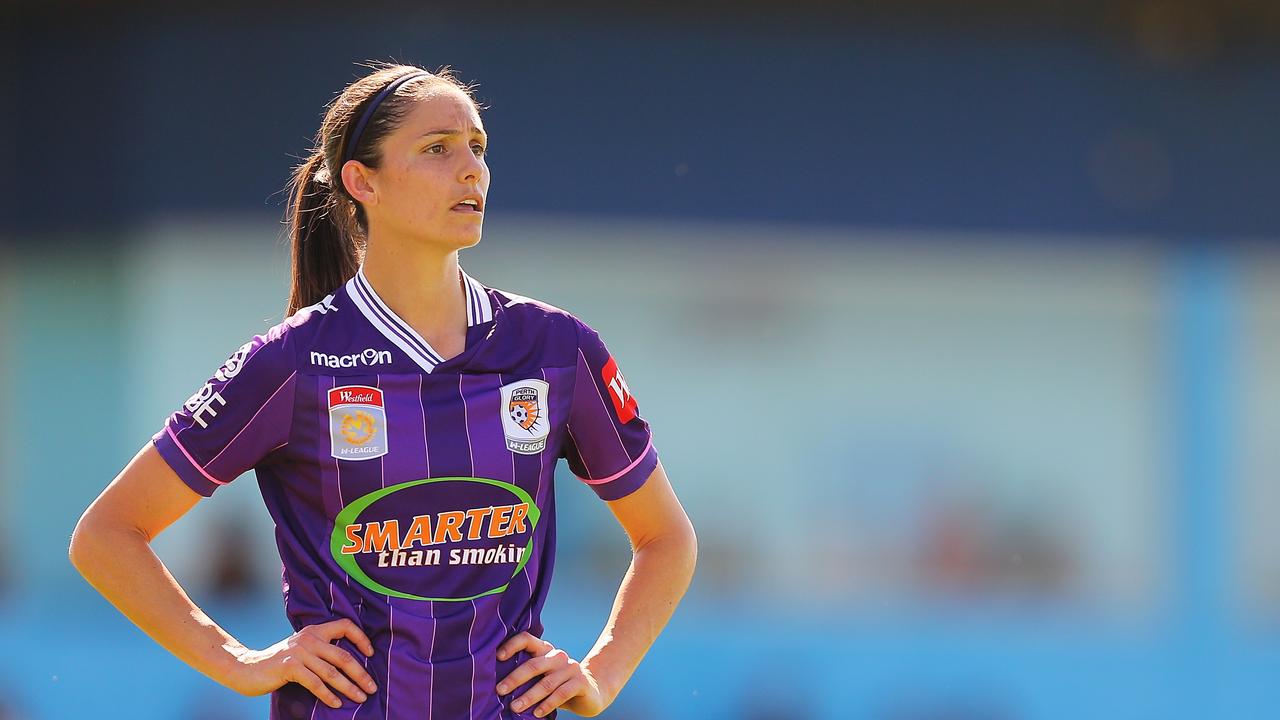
(419, 282)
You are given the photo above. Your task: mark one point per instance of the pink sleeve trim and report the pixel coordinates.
(190, 459)
(624, 470)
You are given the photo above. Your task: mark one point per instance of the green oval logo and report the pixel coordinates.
(476, 537)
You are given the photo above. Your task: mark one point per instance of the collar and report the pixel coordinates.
(382, 317)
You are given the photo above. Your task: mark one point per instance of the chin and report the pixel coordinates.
(453, 241)
(466, 240)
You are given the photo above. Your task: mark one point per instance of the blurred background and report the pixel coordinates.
(957, 325)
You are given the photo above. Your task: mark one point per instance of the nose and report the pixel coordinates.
(472, 168)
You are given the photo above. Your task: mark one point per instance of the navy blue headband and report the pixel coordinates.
(354, 142)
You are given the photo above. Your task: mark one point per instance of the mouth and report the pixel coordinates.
(470, 206)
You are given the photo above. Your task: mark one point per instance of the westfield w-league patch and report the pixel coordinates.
(357, 423)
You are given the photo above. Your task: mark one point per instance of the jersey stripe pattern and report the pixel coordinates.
(413, 493)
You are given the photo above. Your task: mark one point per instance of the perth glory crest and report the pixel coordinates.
(524, 416)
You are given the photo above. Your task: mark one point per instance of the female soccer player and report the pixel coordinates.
(404, 423)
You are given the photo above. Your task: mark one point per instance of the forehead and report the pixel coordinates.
(442, 107)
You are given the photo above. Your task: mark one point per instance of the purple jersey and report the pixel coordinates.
(413, 494)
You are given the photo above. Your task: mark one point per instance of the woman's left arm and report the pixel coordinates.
(664, 552)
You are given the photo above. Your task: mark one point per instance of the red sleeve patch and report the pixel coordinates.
(624, 404)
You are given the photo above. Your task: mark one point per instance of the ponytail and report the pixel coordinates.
(320, 232)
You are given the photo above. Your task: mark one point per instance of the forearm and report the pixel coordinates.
(121, 565)
(658, 577)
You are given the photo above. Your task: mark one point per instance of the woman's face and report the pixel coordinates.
(431, 164)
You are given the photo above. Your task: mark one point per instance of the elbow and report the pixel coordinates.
(675, 533)
(90, 541)
(75, 551)
(679, 545)
(688, 539)
(691, 544)
(78, 548)
(684, 554)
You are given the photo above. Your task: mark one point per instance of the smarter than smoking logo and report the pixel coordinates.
(476, 537)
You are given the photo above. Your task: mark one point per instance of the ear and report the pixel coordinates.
(359, 181)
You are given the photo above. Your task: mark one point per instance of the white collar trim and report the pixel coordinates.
(399, 332)
(479, 307)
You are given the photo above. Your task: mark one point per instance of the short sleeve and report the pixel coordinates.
(242, 414)
(609, 446)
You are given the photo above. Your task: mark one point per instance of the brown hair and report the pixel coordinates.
(327, 226)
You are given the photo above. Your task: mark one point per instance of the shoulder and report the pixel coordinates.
(311, 320)
(524, 306)
(275, 350)
(532, 314)
(539, 332)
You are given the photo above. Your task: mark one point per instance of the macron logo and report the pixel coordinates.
(368, 357)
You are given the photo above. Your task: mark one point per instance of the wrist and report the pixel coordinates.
(232, 663)
(605, 681)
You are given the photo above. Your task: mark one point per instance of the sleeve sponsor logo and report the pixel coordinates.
(525, 420)
(357, 423)
(624, 403)
(478, 537)
(368, 356)
(202, 404)
(232, 366)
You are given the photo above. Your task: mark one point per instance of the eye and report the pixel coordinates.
(432, 149)
(479, 149)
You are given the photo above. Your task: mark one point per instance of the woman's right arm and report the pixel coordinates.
(111, 547)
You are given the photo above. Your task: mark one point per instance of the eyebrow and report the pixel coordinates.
(451, 131)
